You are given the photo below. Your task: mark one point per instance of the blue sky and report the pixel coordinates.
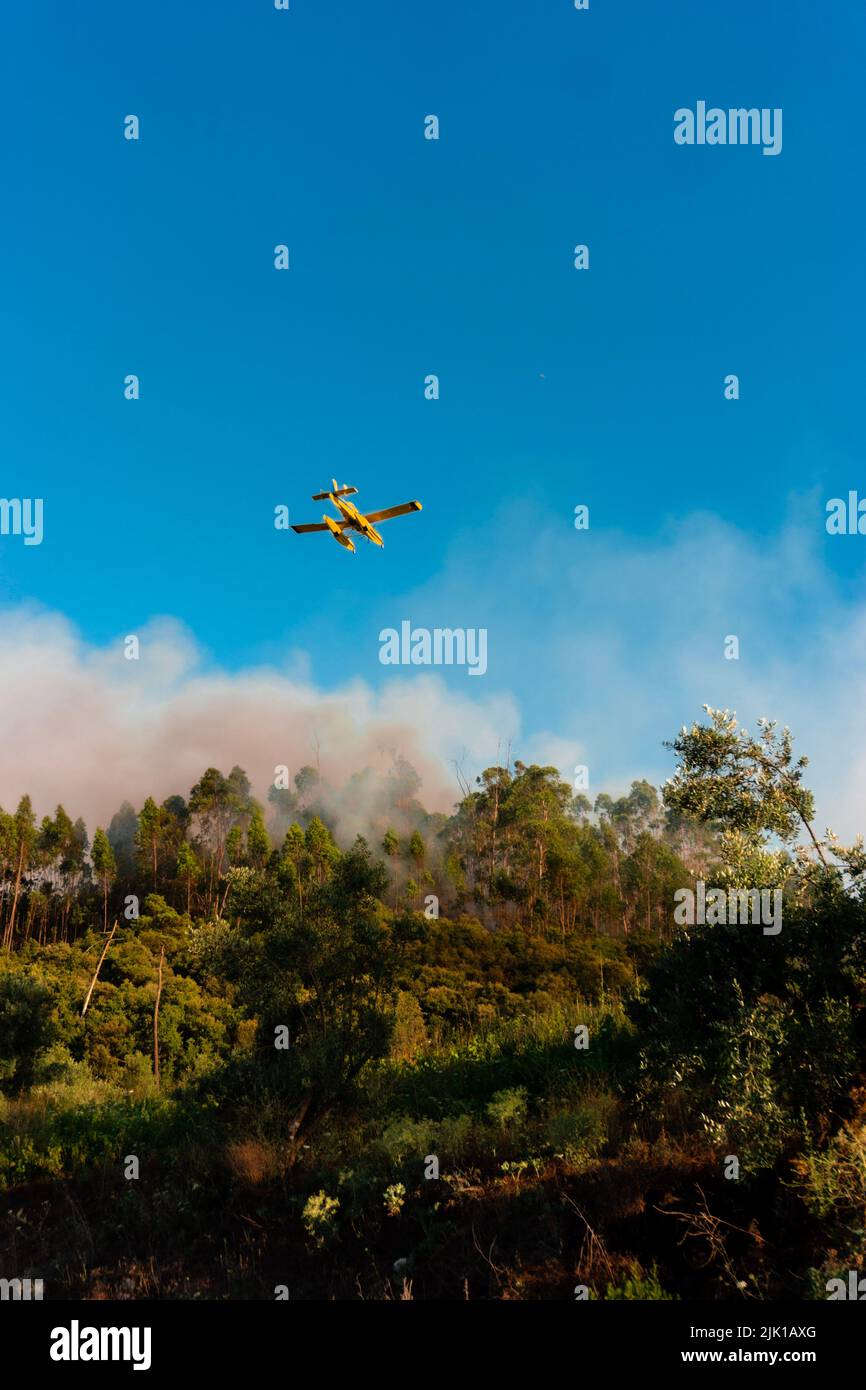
(453, 257)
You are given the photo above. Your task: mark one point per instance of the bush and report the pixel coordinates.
(508, 1108)
(761, 1035)
(26, 1028)
(394, 1198)
(580, 1132)
(833, 1183)
(410, 1035)
(70, 1126)
(643, 1288)
(319, 1216)
(253, 1161)
(56, 1063)
(405, 1137)
(453, 1136)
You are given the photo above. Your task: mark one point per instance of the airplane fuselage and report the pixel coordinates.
(356, 520)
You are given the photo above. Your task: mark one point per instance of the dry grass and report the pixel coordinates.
(253, 1162)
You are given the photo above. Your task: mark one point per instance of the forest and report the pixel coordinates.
(246, 1055)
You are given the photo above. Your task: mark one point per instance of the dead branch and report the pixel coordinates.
(84, 1006)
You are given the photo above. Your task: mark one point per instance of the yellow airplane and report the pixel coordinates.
(351, 519)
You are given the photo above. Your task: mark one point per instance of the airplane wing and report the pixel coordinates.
(394, 511)
(314, 526)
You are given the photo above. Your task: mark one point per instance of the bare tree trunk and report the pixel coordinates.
(156, 1020)
(10, 928)
(97, 970)
(221, 907)
(295, 1127)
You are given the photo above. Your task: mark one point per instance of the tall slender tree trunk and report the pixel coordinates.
(10, 929)
(156, 1020)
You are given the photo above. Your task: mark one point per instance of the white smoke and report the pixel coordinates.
(87, 727)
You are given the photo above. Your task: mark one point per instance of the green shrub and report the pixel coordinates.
(67, 1127)
(319, 1216)
(832, 1183)
(640, 1288)
(394, 1198)
(26, 1028)
(56, 1064)
(580, 1132)
(507, 1109)
(410, 1034)
(453, 1136)
(407, 1138)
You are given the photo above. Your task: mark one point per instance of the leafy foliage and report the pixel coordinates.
(382, 1099)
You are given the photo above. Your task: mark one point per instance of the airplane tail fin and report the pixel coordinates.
(335, 491)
